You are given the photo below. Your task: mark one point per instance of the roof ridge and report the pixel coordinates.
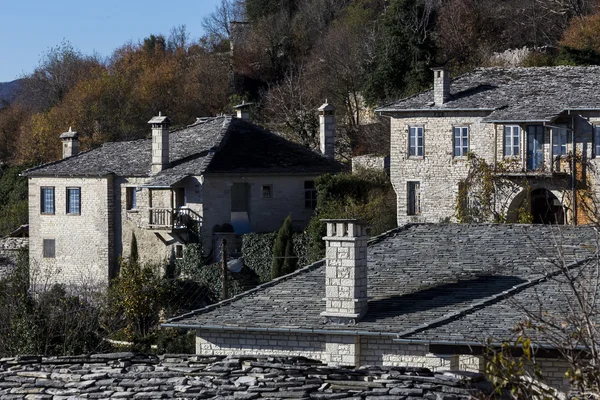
(454, 315)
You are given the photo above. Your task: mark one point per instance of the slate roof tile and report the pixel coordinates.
(417, 274)
(515, 94)
(215, 145)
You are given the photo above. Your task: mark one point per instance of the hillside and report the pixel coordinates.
(9, 91)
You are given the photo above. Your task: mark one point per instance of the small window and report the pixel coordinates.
(512, 139)
(461, 141)
(47, 200)
(48, 250)
(310, 195)
(415, 141)
(596, 140)
(131, 198)
(267, 191)
(414, 198)
(179, 251)
(559, 142)
(74, 201)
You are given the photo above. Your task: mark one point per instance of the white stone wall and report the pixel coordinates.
(248, 343)
(83, 243)
(438, 171)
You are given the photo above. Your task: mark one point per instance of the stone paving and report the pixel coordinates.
(136, 376)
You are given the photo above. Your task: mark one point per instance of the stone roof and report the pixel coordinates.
(9, 249)
(420, 277)
(214, 145)
(514, 94)
(136, 376)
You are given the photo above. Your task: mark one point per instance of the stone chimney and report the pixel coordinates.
(327, 129)
(160, 142)
(345, 271)
(441, 85)
(70, 145)
(243, 111)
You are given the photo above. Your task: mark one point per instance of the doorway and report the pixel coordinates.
(546, 208)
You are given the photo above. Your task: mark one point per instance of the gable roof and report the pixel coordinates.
(214, 145)
(420, 276)
(537, 94)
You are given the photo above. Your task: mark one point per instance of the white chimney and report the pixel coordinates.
(160, 142)
(243, 111)
(327, 129)
(70, 145)
(345, 271)
(441, 85)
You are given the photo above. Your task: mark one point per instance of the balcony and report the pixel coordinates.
(174, 219)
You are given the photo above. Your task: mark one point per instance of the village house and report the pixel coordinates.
(422, 295)
(219, 177)
(525, 123)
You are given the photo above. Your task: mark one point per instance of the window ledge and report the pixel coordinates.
(45, 213)
(133, 211)
(74, 214)
(416, 157)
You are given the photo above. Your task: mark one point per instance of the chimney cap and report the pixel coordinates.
(327, 107)
(243, 105)
(160, 119)
(70, 134)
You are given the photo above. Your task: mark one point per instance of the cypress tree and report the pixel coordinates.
(134, 256)
(284, 259)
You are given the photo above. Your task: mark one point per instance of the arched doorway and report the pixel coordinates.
(546, 208)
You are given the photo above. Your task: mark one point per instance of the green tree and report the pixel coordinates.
(134, 254)
(284, 258)
(403, 54)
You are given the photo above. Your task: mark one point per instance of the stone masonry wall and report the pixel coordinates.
(83, 252)
(223, 343)
(438, 171)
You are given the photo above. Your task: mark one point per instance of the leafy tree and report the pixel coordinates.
(403, 54)
(256, 9)
(284, 258)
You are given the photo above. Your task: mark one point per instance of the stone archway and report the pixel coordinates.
(546, 208)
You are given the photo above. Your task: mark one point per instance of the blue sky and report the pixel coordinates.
(28, 28)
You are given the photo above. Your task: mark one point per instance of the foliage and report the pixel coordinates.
(14, 210)
(134, 255)
(573, 56)
(366, 195)
(138, 294)
(257, 249)
(192, 261)
(284, 258)
(484, 193)
(583, 34)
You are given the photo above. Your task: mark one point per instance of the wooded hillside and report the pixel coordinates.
(288, 57)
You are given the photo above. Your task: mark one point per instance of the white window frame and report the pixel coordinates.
(69, 204)
(459, 149)
(512, 140)
(414, 134)
(44, 207)
(413, 198)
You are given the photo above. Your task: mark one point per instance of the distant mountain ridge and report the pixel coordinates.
(9, 91)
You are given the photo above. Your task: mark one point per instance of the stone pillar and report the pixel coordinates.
(345, 271)
(160, 142)
(243, 111)
(327, 129)
(441, 85)
(70, 141)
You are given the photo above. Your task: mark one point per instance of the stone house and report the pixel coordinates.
(525, 123)
(218, 177)
(421, 295)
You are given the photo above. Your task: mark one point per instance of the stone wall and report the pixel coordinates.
(83, 248)
(9, 250)
(371, 161)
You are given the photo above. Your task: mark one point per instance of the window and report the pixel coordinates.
(414, 198)
(47, 200)
(74, 201)
(179, 251)
(48, 248)
(131, 198)
(512, 138)
(267, 191)
(596, 140)
(461, 141)
(310, 194)
(559, 142)
(415, 141)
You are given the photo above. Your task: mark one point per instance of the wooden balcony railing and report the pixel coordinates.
(173, 218)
